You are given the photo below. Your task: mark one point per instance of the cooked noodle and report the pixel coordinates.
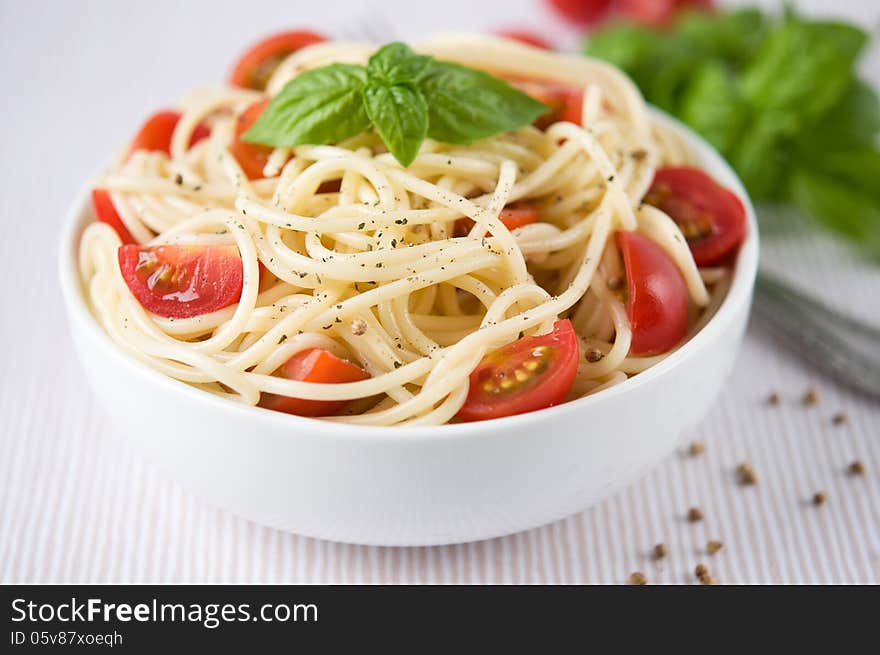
(373, 272)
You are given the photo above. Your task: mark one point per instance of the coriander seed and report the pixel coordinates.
(638, 578)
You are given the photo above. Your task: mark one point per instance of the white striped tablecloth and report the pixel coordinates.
(77, 505)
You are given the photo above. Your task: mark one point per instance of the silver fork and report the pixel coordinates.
(846, 349)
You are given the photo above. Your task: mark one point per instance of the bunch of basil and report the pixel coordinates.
(778, 97)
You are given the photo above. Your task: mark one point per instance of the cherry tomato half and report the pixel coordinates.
(529, 374)
(251, 157)
(581, 12)
(711, 217)
(656, 303)
(527, 37)
(255, 67)
(182, 281)
(313, 365)
(566, 102)
(156, 133)
(105, 212)
(514, 215)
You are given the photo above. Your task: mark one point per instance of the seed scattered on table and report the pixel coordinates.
(703, 576)
(696, 448)
(659, 551)
(819, 498)
(856, 468)
(695, 514)
(746, 474)
(774, 399)
(638, 578)
(810, 397)
(714, 546)
(840, 419)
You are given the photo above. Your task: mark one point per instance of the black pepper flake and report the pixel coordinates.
(282, 339)
(361, 226)
(178, 179)
(397, 364)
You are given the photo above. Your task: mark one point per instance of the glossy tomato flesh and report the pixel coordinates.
(656, 302)
(313, 365)
(712, 218)
(529, 374)
(105, 211)
(182, 281)
(251, 157)
(565, 101)
(156, 133)
(514, 215)
(256, 66)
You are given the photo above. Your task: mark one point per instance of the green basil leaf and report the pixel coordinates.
(396, 63)
(323, 105)
(760, 155)
(839, 206)
(852, 123)
(733, 35)
(713, 107)
(626, 46)
(465, 105)
(802, 69)
(400, 115)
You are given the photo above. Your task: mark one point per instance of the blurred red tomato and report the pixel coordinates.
(657, 12)
(581, 12)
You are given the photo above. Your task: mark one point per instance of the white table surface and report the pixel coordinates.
(78, 505)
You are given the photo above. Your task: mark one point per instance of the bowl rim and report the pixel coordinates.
(738, 294)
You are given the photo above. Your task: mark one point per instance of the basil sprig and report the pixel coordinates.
(406, 97)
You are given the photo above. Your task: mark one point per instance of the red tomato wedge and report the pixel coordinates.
(255, 67)
(251, 157)
(182, 281)
(712, 218)
(656, 303)
(515, 215)
(313, 365)
(565, 101)
(658, 12)
(581, 12)
(156, 133)
(529, 374)
(527, 37)
(105, 212)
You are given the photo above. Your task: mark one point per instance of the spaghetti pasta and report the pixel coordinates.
(343, 249)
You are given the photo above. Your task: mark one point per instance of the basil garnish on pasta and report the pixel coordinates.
(404, 96)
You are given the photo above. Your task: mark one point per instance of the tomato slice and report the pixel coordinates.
(514, 215)
(105, 212)
(529, 374)
(256, 66)
(251, 157)
(156, 133)
(711, 217)
(565, 101)
(527, 37)
(313, 365)
(581, 12)
(656, 303)
(182, 281)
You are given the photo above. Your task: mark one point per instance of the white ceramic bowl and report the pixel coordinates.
(414, 486)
